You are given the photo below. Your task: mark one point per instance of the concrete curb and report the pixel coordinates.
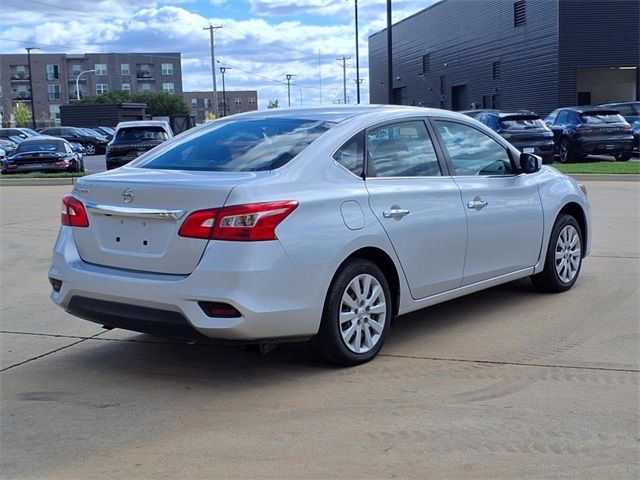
(29, 182)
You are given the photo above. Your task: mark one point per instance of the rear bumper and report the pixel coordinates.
(602, 146)
(276, 298)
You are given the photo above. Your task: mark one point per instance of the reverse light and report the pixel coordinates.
(245, 223)
(73, 212)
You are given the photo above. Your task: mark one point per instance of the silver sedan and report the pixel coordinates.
(321, 224)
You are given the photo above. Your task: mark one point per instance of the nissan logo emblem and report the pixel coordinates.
(127, 195)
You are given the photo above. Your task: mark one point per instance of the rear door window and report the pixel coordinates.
(237, 146)
(401, 150)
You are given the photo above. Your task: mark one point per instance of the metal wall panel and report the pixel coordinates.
(464, 38)
(596, 33)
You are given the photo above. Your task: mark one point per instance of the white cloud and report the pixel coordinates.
(281, 37)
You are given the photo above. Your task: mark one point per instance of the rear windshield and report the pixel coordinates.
(521, 123)
(42, 146)
(238, 146)
(601, 118)
(141, 134)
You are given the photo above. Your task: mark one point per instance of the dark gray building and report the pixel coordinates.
(54, 78)
(533, 54)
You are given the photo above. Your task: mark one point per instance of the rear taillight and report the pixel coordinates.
(73, 212)
(248, 223)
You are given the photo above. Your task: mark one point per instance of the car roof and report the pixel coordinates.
(588, 108)
(143, 123)
(340, 113)
(613, 104)
(41, 138)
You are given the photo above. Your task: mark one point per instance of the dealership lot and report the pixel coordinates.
(500, 384)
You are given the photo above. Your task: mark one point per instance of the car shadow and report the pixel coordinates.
(146, 356)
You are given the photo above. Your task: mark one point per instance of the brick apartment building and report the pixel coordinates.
(201, 103)
(54, 79)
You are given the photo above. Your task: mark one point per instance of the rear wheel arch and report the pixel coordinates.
(576, 212)
(384, 262)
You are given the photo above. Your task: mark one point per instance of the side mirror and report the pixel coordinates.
(530, 163)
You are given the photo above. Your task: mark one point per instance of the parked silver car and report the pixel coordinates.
(314, 223)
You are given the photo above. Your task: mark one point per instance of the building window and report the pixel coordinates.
(144, 71)
(426, 63)
(168, 88)
(238, 101)
(53, 92)
(124, 69)
(102, 88)
(101, 68)
(126, 87)
(519, 13)
(167, 69)
(252, 101)
(75, 70)
(144, 88)
(0, 91)
(194, 102)
(495, 71)
(52, 72)
(54, 114)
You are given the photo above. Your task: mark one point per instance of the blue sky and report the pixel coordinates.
(261, 40)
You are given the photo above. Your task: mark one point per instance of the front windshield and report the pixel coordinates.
(30, 133)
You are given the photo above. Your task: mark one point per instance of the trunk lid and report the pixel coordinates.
(135, 215)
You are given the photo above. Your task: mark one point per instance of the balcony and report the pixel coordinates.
(21, 96)
(19, 77)
(145, 75)
(73, 75)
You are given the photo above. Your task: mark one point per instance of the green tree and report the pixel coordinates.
(158, 104)
(22, 114)
(273, 104)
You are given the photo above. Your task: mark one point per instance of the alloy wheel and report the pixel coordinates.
(91, 149)
(568, 254)
(363, 312)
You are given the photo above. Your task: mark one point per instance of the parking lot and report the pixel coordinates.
(506, 383)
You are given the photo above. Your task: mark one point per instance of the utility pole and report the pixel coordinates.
(344, 76)
(389, 56)
(211, 29)
(289, 77)
(224, 92)
(357, 60)
(33, 113)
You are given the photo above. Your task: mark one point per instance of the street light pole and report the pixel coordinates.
(357, 59)
(78, 82)
(224, 92)
(33, 113)
(211, 29)
(289, 77)
(344, 76)
(389, 56)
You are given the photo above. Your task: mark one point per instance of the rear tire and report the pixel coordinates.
(563, 259)
(623, 157)
(90, 148)
(356, 316)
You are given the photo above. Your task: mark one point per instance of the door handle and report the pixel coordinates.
(477, 204)
(395, 213)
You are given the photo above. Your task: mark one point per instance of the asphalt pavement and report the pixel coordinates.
(505, 383)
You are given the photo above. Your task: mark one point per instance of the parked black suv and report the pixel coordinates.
(629, 110)
(92, 143)
(523, 129)
(582, 131)
(132, 139)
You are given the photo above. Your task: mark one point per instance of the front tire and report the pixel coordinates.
(623, 157)
(356, 316)
(563, 259)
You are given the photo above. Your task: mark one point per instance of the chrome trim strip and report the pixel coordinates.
(172, 215)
